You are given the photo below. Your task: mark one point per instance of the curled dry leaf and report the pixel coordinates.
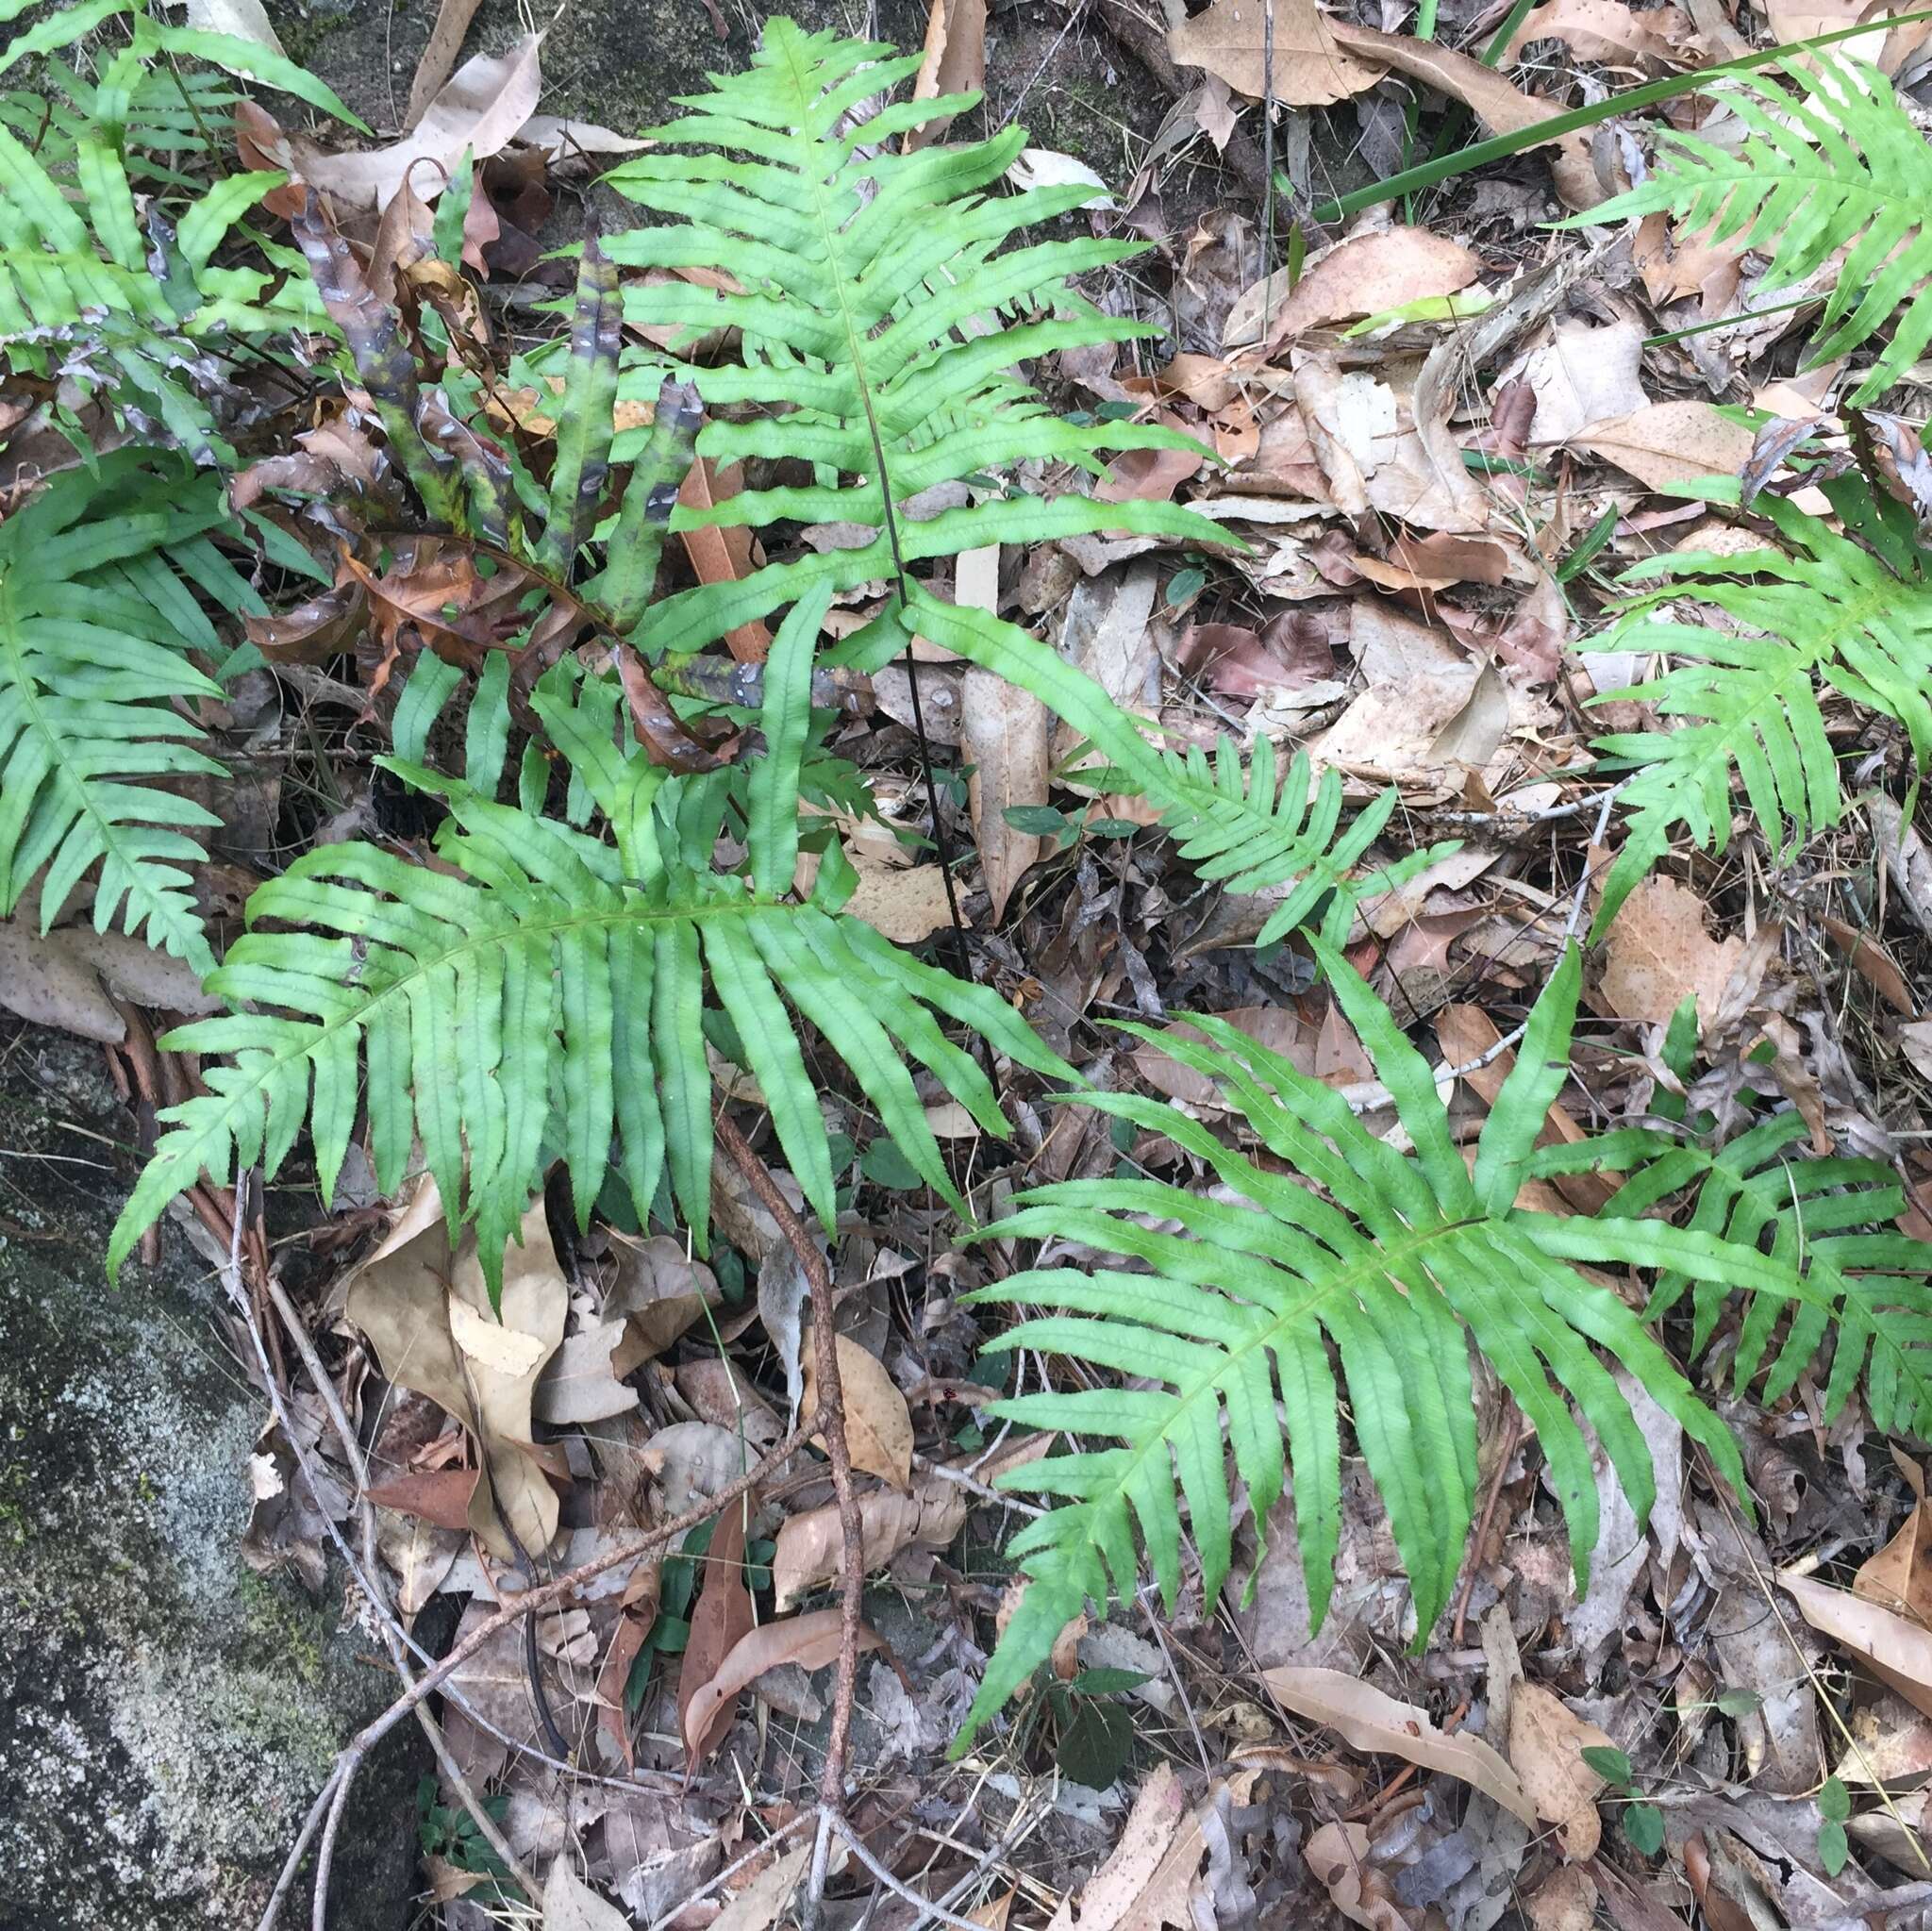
(479, 110)
(1367, 1719)
(70, 978)
(809, 1641)
(1546, 1744)
(1367, 274)
(1607, 30)
(721, 1617)
(927, 1516)
(1339, 1857)
(954, 62)
(660, 1291)
(580, 1383)
(428, 1314)
(878, 1428)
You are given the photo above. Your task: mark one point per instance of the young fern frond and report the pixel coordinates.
(543, 992)
(1831, 160)
(98, 613)
(870, 308)
(1397, 1263)
(1251, 836)
(1825, 612)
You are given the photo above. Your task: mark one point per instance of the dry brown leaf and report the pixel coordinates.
(722, 1615)
(1870, 1631)
(928, 1516)
(1338, 1855)
(1501, 106)
(453, 18)
(955, 61)
(1584, 376)
(1667, 442)
(721, 553)
(1546, 1744)
(1675, 264)
(69, 977)
(761, 1903)
(1008, 738)
(1872, 963)
(480, 108)
(571, 1905)
(659, 1292)
(1367, 1719)
(580, 1383)
(1805, 20)
(1308, 70)
(1899, 1577)
(1566, 1899)
(809, 1641)
(1659, 952)
(878, 1427)
(412, 1296)
(1147, 475)
(1605, 30)
(1429, 704)
(906, 902)
(1367, 274)
(1113, 1895)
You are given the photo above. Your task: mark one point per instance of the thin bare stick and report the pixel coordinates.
(830, 1423)
(925, 1906)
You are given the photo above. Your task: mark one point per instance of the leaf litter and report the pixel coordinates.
(1419, 519)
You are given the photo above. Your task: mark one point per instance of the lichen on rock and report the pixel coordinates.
(166, 1715)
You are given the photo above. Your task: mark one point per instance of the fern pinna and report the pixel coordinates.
(1849, 611)
(1398, 1260)
(102, 583)
(542, 992)
(1831, 160)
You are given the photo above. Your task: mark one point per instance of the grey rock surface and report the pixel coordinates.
(166, 1714)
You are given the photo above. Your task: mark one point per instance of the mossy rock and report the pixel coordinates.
(166, 1715)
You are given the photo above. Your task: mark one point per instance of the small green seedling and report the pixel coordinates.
(1644, 1823)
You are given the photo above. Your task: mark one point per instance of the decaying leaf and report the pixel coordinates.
(417, 1302)
(955, 61)
(878, 1429)
(1546, 1745)
(571, 1905)
(1007, 735)
(809, 1641)
(1368, 1719)
(1307, 70)
(1895, 1649)
(1666, 442)
(1367, 274)
(721, 1617)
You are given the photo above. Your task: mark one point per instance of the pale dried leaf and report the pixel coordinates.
(878, 1428)
(69, 977)
(453, 18)
(1666, 442)
(1583, 377)
(479, 110)
(1007, 735)
(1367, 1719)
(1659, 952)
(954, 62)
(1113, 1893)
(758, 1904)
(905, 903)
(809, 1641)
(571, 1905)
(247, 20)
(1895, 1649)
(579, 1385)
(1546, 1744)
(1308, 70)
(1367, 274)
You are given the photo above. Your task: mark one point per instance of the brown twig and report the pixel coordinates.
(829, 1421)
(1482, 1527)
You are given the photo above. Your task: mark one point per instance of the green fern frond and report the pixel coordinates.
(1395, 1260)
(1831, 160)
(541, 992)
(121, 295)
(98, 613)
(873, 321)
(1251, 835)
(1823, 612)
